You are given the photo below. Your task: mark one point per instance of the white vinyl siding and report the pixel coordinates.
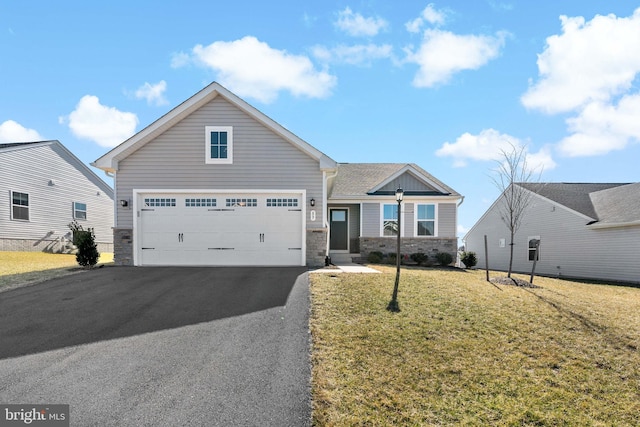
(568, 247)
(261, 160)
(447, 221)
(370, 219)
(55, 179)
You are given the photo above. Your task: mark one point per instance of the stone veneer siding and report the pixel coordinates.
(123, 246)
(408, 245)
(316, 247)
(61, 245)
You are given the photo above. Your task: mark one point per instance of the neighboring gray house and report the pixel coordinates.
(585, 231)
(216, 182)
(45, 187)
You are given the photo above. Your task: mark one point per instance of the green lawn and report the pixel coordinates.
(465, 352)
(24, 267)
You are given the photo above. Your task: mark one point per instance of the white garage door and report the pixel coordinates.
(220, 229)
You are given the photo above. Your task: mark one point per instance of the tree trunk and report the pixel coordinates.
(510, 256)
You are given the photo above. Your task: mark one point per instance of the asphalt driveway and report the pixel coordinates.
(161, 346)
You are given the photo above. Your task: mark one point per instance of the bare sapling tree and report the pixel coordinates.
(512, 172)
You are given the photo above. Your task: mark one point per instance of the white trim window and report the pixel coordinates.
(389, 220)
(534, 243)
(20, 206)
(426, 220)
(218, 144)
(79, 210)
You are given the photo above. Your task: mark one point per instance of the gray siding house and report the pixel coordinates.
(363, 210)
(45, 187)
(216, 182)
(587, 231)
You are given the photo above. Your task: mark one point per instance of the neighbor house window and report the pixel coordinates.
(79, 210)
(390, 220)
(533, 242)
(426, 220)
(219, 144)
(19, 206)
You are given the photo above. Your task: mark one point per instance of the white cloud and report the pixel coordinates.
(356, 25)
(104, 125)
(11, 131)
(602, 127)
(488, 145)
(354, 55)
(443, 53)
(180, 59)
(430, 15)
(154, 94)
(251, 68)
(590, 61)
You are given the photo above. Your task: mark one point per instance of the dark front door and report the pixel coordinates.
(339, 236)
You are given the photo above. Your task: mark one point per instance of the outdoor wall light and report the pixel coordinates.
(312, 202)
(124, 203)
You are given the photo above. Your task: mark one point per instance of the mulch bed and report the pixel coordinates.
(512, 281)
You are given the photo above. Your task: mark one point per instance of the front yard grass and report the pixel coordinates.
(466, 352)
(17, 268)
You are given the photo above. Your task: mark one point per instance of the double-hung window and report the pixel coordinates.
(79, 210)
(218, 144)
(19, 206)
(534, 248)
(390, 220)
(426, 220)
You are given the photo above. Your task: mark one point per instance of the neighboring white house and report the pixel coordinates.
(585, 231)
(45, 187)
(216, 182)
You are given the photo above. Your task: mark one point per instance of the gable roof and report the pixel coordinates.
(109, 161)
(604, 203)
(575, 196)
(73, 160)
(618, 205)
(361, 180)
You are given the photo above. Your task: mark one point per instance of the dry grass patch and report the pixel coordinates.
(18, 268)
(466, 352)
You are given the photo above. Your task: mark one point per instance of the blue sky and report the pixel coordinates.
(445, 85)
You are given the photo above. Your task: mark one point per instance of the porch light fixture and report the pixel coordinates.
(312, 202)
(393, 304)
(124, 203)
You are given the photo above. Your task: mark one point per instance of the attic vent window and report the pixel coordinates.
(218, 144)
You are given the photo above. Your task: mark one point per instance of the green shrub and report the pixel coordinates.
(469, 259)
(84, 240)
(444, 258)
(375, 257)
(391, 258)
(419, 258)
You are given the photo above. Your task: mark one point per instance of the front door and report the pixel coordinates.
(339, 231)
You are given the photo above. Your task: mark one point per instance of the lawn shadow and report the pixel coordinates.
(588, 324)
